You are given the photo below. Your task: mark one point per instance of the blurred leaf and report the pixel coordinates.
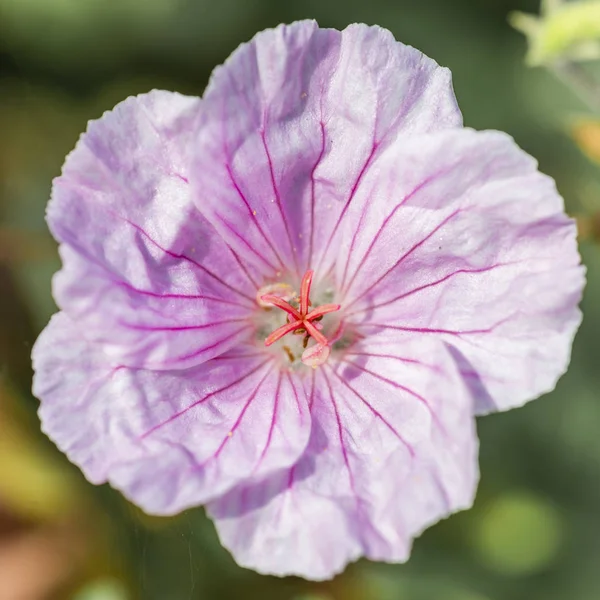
(32, 484)
(519, 534)
(565, 30)
(102, 589)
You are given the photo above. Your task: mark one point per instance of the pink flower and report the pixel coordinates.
(288, 300)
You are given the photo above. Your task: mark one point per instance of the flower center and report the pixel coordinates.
(302, 321)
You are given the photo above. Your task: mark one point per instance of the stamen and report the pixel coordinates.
(290, 354)
(280, 303)
(315, 355)
(281, 290)
(281, 331)
(305, 291)
(300, 321)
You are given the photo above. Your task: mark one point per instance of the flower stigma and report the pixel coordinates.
(300, 320)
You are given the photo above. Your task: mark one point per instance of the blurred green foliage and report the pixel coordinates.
(534, 532)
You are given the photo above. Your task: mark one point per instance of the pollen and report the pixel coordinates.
(301, 320)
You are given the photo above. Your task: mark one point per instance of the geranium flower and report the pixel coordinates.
(288, 300)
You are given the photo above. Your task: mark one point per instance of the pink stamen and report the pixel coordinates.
(322, 310)
(280, 303)
(315, 333)
(281, 331)
(302, 319)
(305, 291)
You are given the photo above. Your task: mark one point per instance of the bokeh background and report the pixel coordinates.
(534, 532)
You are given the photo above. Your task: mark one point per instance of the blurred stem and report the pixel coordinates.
(579, 81)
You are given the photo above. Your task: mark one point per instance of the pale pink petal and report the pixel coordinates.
(143, 272)
(167, 439)
(291, 123)
(459, 238)
(393, 449)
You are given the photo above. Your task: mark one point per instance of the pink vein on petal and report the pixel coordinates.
(244, 269)
(176, 416)
(355, 237)
(399, 386)
(244, 241)
(385, 223)
(444, 331)
(402, 359)
(430, 285)
(340, 431)
(212, 346)
(312, 194)
(402, 258)
(186, 258)
(182, 327)
(374, 148)
(376, 413)
(296, 397)
(271, 426)
(278, 197)
(240, 416)
(177, 296)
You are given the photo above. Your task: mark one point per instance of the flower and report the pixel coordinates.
(288, 300)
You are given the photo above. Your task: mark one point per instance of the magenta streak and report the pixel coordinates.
(177, 296)
(430, 285)
(292, 473)
(212, 346)
(341, 437)
(350, 197)
(224, 121)
(252, 215)
(353, 243)
(239, 419)
(188, 259)
(181, 327)
(297, 398)
(238, 356)
(385, 223)
(278, 197)
(244, 269)
(312, 194)
(393, 357)
(429, 330)
(402, 258)
(312, 392)
(244, 241)
(175, 416)
(400, 387)
(410, 449)
(271, 427)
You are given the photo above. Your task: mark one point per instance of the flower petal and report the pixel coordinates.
(167, 439)
(459, 238)
(143, 272)
(392, 450)
(291, 123)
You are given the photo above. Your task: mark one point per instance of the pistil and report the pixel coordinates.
(302, 320)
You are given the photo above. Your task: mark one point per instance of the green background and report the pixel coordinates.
(534, 532)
